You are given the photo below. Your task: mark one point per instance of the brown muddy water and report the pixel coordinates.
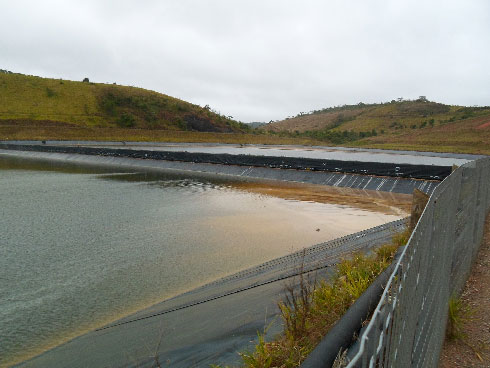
(81, 247)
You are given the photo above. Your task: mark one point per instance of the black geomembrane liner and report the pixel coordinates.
(427, 172)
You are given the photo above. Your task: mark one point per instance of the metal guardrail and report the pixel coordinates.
(408, 326)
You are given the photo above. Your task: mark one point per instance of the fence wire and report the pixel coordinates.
(408, 326)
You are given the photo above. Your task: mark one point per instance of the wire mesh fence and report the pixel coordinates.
(408, 326)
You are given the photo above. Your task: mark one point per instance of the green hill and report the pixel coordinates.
(42, 108)
(25, 99)
(401, 124)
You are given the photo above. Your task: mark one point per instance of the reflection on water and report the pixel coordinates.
(370, 200)
(317, 153)
(81, 247)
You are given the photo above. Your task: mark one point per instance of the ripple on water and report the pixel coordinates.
(81, 248)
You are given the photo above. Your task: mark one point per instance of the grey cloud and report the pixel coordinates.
(259, 60)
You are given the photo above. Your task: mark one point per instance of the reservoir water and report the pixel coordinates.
(81, 247)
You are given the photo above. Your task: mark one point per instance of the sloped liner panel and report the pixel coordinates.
(426, 172)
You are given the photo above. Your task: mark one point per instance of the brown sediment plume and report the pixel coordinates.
(370, 200)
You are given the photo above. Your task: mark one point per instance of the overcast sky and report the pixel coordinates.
(259, 60)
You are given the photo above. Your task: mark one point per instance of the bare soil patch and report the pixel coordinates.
(474, 349)
(483, 126)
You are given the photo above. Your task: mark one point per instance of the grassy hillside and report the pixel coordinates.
(84, 104)
(41, 108)
(417, 125)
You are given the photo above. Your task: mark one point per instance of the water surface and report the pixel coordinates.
(82, 247)
(313, 152)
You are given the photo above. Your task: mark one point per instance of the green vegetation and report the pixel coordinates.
(459, 313)
(310, 312)
(54, 109)
(41, 108)
(399, 124)
(86, 104)
(331, 136)
(48, 130)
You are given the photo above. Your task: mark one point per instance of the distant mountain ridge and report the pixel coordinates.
(400, 124)
(394, 115)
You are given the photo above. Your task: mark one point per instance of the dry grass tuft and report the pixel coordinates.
(459, 314)
(311, 309)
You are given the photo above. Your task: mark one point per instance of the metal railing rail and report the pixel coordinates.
(408, 325)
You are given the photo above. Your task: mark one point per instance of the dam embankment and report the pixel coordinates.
(364, 175)
(401, 170)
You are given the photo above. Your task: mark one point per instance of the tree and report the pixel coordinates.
(85, 80)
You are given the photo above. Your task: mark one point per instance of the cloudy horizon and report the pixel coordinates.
(259, 60)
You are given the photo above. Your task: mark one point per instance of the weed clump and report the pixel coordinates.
(458, 314)
(400, 239)
(311, 309)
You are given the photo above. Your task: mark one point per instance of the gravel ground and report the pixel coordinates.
(474, 350)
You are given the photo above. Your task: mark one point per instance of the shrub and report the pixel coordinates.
(182, 124)
(126, 120)
(400, 239)
(458, 314)
(50, 92)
